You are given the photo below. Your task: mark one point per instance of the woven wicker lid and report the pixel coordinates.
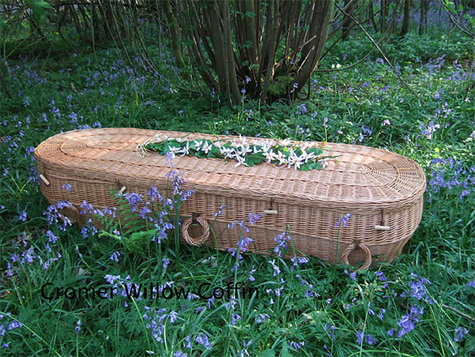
(361, 176)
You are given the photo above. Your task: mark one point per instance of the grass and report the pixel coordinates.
(420, 305)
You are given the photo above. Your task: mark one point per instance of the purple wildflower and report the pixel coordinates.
(235, 318)
(343, 220)
(408, 322)
(281, 240)
(134, 199)
(252, 271)
(370, 340)
(202, 339)
(173, 316)
(14, 325)
(460, 333)
(261, 318)
(359, 338)
(275, 268)
(115, 256)
(297, 345)
(22, 216)
(78, 326)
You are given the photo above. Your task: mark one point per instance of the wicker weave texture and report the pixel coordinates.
(383, 191)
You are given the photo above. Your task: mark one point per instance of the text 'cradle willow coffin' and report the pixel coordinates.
(382, 191)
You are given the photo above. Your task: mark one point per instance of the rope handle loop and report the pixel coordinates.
(198, 240)
(367, 252)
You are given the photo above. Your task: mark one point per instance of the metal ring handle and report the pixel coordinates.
(189, 239)
(367, 252)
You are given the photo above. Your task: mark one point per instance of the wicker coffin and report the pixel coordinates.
(383, 191)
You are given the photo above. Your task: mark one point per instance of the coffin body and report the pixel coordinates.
(382, 191)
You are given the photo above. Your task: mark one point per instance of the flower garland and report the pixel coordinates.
(305, 157)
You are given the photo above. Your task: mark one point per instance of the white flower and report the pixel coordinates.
(297, 164)
(240, 160)
(270, 156)
(186, 149)
(285, 142)
(207, 147)
(306, 156)
(265, 147)
(281, 157)
(175, 150)
(243, 150)
(324, 163)
(198, 143)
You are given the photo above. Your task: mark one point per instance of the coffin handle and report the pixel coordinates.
(196, 241)
(353, 246)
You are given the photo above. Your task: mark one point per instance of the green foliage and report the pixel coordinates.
(299, 308)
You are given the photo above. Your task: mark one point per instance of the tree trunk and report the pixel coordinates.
(347, 23)
(175, 34)
(383, 15)
(423, 19)
(407, 18)
(234, 44)
(322, 15)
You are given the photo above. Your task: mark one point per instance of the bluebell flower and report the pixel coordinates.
(343, 220)
(144, 211)
(220, 212)
(244, 351)
(262, 317)
(154, 194)
(51, 237)
(370, 340)
(281, 240)
(29, 255)
(381, 276)
(297, 345)
(173, 316)
(78, 326)
(252, 271)
(276, 270)
(188, 341)
(460, 333)
(111, 279)
(115, 256)
(202, 339)
(134, 199)
(235, 318)
(22, 216)
(359, 338)
(408, 321)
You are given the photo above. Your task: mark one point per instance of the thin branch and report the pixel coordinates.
(382, 54)
(455, 22)
(458, 312)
